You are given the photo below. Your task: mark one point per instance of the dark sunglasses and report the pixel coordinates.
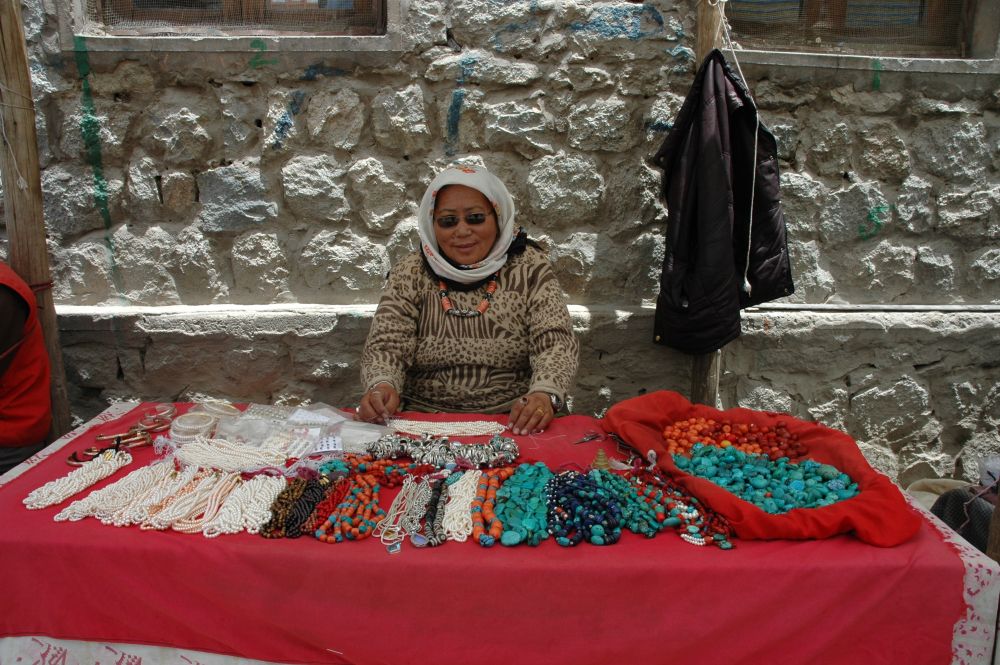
(451, 221)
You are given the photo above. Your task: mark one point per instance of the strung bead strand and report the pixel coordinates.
(201, 514)
(581, 510)
(107, 502)
(468, 428)
(247, 507)
(275, 527)
(91, 472)
(311, 496)
(458, 511)
(641, 515)
(435, 505)
(522, 507)
(356, 517)
(486, 526)
(695, 522)
(403, 518)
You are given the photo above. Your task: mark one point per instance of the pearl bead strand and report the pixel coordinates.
(471, 428)
(458, 511)
(78, 480)
(229, 455)
(105, 503)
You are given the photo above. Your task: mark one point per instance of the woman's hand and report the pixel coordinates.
(378, 404)
(532, 413)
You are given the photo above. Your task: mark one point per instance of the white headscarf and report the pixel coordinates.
(482, 180)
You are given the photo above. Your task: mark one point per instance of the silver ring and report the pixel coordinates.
(380, 394)
(524, 401)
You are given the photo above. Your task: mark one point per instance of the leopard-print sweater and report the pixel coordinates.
(523, 343)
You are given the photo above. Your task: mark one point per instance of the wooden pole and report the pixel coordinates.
(28, 254)
(705, 369)
(709, 29)
(993, 544)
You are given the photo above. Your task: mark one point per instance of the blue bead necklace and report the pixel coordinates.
(521, 506)
(580, 509)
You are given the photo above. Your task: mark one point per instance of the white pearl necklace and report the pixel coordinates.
(248, 507)
(229, 455)
(403, 516)
(78, 480)
(200, 515)
(178, 506)
(165, 488)
(458, 510)
(105, 504)
(471, 428)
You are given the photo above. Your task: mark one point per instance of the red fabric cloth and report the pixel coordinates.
(644, 601)
(878, 515)
(25, 404)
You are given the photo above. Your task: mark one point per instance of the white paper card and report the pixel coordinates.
(303, 416)
(329, 444)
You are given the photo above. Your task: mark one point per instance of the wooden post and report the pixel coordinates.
(709, 29)
(28, 254)
(705, 369)
(993, 544)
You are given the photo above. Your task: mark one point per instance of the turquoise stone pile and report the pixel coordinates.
(638, 515)
(773, 486)
(521, 506)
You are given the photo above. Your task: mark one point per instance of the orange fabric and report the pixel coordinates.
(25, 404)
(879, 515)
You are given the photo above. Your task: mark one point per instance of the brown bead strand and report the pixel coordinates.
(282, 506)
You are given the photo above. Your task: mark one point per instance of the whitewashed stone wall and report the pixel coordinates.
(264, 203)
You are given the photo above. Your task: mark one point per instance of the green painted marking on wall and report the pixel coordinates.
(258, 59)
(864, 231)
(90, 128)
(876, 77)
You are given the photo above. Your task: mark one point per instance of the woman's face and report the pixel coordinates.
(465, 243)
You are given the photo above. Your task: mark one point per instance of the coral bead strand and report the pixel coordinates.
(486, 526)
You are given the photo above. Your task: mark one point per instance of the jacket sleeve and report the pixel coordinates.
(555, 351)
(392, 340)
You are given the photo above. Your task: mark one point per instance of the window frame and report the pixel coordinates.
(382, 48)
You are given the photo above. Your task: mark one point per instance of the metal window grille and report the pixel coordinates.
(908, 28)
(238, 17)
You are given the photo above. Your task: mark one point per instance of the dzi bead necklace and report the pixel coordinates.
(478, 311)
(435, 514)
(581, 510)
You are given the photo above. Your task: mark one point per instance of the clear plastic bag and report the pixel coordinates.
(357, 435)
(254, 431)
(989, 469)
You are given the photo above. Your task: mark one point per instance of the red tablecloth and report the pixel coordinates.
(642, 601)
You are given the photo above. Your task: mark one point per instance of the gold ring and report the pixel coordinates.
(539, 411)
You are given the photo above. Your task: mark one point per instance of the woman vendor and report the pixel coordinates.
(475, 321)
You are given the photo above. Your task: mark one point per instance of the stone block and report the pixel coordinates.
(813, 281)
(578, 77)
(970, 213)
(196, 269)
(257, 369)
(660, 118)
(935, 270)
(605, 125)
(983, 275)
(128, 76)
(382, 198)
(335, 120)
(786, 134)
(234, 197)
(518, 126)
(142, 259)
(868, 103)
(476, 66)
(404, 239)
(70, 194)
(82, 273)
(260, 267)
(914, 205)
(890, 415)
(565, 190)
(633, 193)
(179, 130)
(343, 265)
(179, 191)
(802, 198)
(883, 153)
(283, 126)
(772, 96)
(106, 127)
(955, 151)
(91, 365)
(830, 144)
(243, 111)
(314, 189)
(399, 119)
(858, 212)
(143, 191)
(882, 274)
(461, 118)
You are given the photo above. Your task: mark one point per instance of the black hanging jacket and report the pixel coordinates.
(706, 162)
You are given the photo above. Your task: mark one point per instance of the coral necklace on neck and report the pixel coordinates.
(479, 311)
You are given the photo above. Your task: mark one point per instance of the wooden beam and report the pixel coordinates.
(709, 29)
(705, 370)
(28, 253)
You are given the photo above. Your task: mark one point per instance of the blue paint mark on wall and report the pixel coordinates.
(612, 22)
(454, 117)
(681, 53)
(658, 126)
(312, 71)
(467, 65)
(285, 123)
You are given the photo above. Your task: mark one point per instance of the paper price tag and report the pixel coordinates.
(303, 416)
(329, 444)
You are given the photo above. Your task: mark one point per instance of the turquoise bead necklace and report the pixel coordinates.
(521, 505)
(640, 515)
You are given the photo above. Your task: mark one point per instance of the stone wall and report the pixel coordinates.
(221, 223)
